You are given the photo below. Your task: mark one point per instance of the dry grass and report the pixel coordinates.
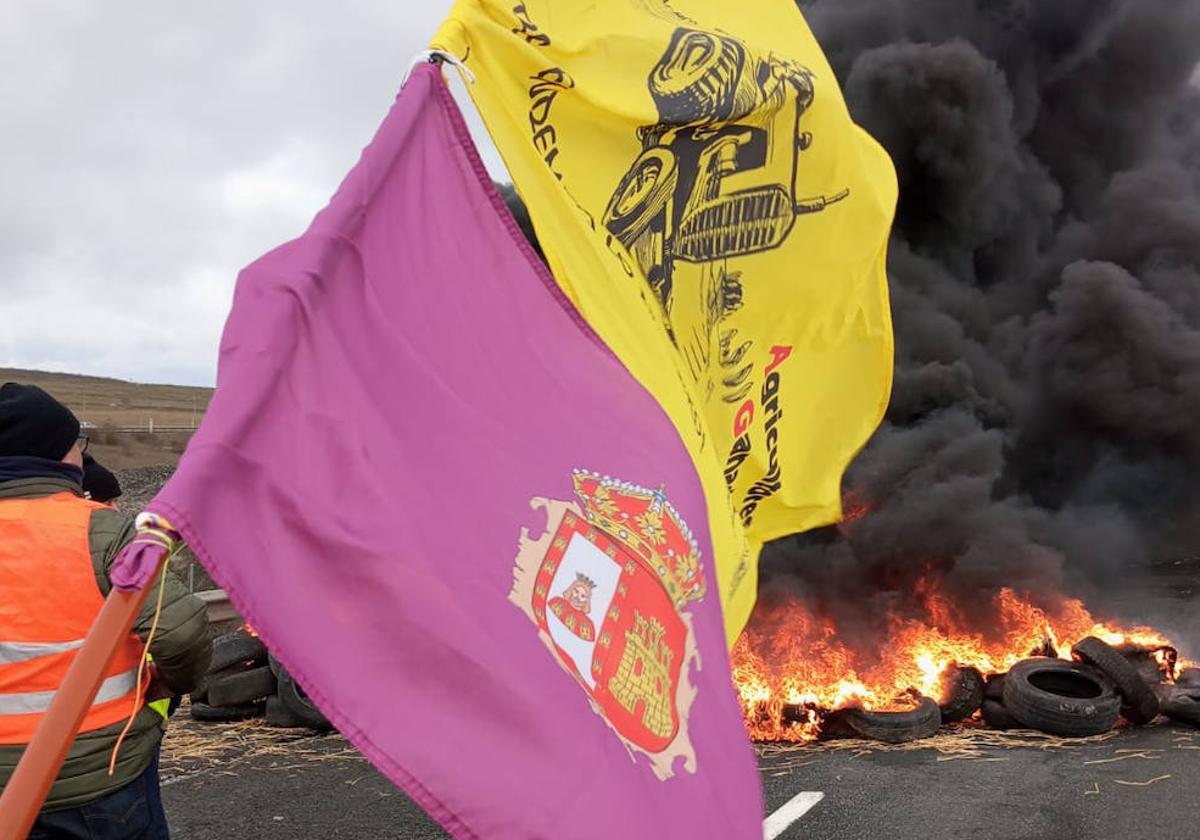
(191, 746)
(975, 743)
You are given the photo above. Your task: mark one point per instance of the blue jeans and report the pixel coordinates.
(134, 812)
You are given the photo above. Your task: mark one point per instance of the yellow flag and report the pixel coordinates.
(705, 200)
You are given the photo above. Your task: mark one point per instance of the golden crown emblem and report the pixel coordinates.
(646, 524)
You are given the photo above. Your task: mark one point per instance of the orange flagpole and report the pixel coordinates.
(43, 758)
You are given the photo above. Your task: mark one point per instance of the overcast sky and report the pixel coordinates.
(152, 149)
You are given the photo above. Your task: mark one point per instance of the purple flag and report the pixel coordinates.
(475, 540)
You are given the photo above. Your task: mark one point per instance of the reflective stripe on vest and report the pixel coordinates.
(163, 707)
(49, 599)
(11, 652)
(113, 688)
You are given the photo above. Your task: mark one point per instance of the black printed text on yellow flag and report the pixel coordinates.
(703, 196)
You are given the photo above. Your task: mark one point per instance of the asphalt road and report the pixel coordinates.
(313, 787)
(1097, 790)
(245, 781)
(1138, 783)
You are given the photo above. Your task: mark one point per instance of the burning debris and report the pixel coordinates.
(1040, 448)
(794, 674)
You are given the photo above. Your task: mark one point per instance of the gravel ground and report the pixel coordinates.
(138, 487)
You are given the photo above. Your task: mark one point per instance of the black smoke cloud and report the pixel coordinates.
(1044, 430)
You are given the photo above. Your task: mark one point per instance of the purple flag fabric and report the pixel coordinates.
(476, 541)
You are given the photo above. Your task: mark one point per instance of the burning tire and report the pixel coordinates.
(1141, 705)
(1144, 663)
(1189, 678)
(896, 727)
(1062, 698)
(226, 714)
(1182, 705)
(962, 694)
(298, 704)
(996, 716)
(994, 689)
(242, 687)
(234, 648)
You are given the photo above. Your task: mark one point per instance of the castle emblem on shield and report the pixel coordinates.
(607, 585)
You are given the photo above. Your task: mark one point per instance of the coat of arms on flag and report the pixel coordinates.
(607, 584)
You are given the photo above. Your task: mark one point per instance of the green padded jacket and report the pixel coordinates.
(181, 650)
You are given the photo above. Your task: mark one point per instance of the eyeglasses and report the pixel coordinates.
(82, 441)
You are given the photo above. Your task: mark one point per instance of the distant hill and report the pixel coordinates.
(111, 404)
(115, 402)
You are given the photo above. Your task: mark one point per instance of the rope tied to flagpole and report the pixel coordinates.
(154, 530)
(441, 57)
(139, 690)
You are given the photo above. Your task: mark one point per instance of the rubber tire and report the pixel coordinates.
(994, 688)
(226, 714)
(715, 88)
(1059, 714)
(965, 695)
(834, 726)
(897, 727)
(242, 687)
(1140, 703)
(233, 648)
(201, 692)
(627, 224)
(1183, 705)
(1145, 665)
(996, 716)
(1189, 678)
(298, 703)
(280, 716)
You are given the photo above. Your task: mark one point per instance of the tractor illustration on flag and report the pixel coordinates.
(607, 586)
(717, 174)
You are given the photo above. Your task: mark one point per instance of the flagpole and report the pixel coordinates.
(26, 791)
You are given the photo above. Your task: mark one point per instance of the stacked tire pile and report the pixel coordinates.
(245, 681)
(1069, 698)
(1087, 696)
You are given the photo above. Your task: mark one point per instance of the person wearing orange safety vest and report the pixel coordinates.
(56, 548)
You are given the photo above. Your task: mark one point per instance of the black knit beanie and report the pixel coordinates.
(100, 484)
(33, 423)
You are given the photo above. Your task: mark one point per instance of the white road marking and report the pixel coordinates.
(793, 809)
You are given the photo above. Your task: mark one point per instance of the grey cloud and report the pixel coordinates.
(153, 149)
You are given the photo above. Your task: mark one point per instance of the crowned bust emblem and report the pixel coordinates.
(607, 585)
(574, 606)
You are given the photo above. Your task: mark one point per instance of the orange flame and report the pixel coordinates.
(248, 630)
(790, 667)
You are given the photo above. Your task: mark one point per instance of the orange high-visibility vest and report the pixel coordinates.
(48, 601)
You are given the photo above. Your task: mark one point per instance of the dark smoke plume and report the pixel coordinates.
(1044, 432)
(1044, 429)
